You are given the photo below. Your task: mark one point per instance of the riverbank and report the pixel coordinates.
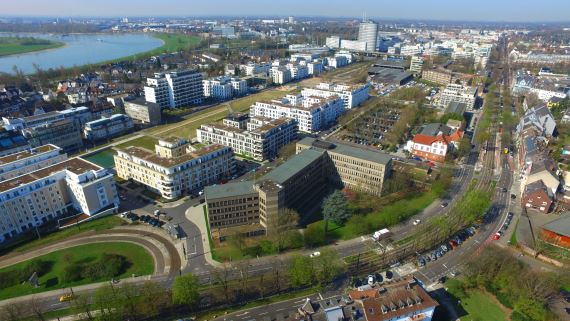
(15, 45)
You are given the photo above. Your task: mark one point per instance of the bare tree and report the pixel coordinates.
(13, 312)
(37, 309)
(81, 305)
(222, 275)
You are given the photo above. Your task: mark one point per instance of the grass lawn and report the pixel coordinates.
(173, 42)
(140, 263)
(389, 215)
(103, 158)
(187, 128)
(144, 142)
(14, 46)
(513, 238)
(100, 224)
(481, 306)
(243, 104)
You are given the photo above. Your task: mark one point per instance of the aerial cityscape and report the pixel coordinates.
(259, 161)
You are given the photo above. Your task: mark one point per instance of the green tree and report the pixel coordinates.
(314, 235)
(301, 271)
(280, 226)
(81, 305)
(152, 298)
(464, 147)
(335, 209)
(185, 290)
(105, 301)
(327, 266)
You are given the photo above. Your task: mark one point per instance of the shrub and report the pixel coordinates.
(72, 273)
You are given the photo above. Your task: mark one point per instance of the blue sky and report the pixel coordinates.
(477, 10)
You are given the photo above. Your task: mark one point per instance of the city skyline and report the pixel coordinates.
(486, 10)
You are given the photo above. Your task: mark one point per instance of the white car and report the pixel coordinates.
(315, 254)
(416, 222)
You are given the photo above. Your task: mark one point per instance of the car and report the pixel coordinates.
(453, 244)
(421, 262)
(505, 189)
(416, 222)
(496, 236)
(453, 274)
(510, 214)
(513, 196)
(444, 204)
(444, 248)
(156, 212)
(66, 297)
(315, 254)
(442, 280)
(371, 280)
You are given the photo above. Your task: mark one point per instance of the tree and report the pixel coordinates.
(222, 275)
(185, 290)
(81, 305)
(105, 301)
(285, 221)
(301, 271)
(464, 147)
(327, 266)
(335, 209)
(152, 297)
(13, 311)
(314, 235)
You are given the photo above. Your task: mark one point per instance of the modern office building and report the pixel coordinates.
(224, 88)
(416, 65)
(354, 45)
(368, 32)
(333, 42)
(259, 138)
(352, 95)
(458, 93)
(143, 111)
(105, 128)
(177, 167)
(30, 160)
(312, 113)
(72, 186)
(297, 184)
(65, 133)
(441, 77)
(175, 89)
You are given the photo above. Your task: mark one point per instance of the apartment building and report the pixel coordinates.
(458, 93)
(12, 142)
(281, 75)
(434, 141)
(259, 138)
(176, 167)
(416, 65)
(30, 160)
(224, 88)
(315, 68)
(143, 111)
(105, 128)
(175, 89)
(44, 195)
(297, 184)
(352, 95)
(64, 133)
(312, 113)
(253, 68)
(80, 115)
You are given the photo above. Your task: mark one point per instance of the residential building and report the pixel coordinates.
(297, 184)
(434, 141)
(458, 93)
(537, 196)
(143, 111)
(261, 138)
(281, 75)
(64, 133)
(175, 89)
(11, 142)
(177, 167)
(315, 68)
(30, 160)
(333, 42)
(541, 168)
(313, 114)
(557, 232)
(224, 88)
(368, 33)
(540, 118)
(401, 300)
(44, 195)
(79, 115)
(253, 68)
(416, 65)
(352, 95)
(106, 128)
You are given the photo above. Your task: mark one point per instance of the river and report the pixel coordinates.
(79, 49)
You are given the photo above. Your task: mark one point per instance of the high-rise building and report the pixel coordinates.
(291, 20)
(416, 65)
(175, 89)
(368, 32)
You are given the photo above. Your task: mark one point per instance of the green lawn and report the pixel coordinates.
(144, 142)
(480, 306)
(243, 104)
(103, 223)
(103, 158)
(389, 215)
(14, 46)
(140, 263)
(172, 43)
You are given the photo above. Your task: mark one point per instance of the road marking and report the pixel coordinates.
(445, 266)
(321, 296)
(241, 315)
(262, 313)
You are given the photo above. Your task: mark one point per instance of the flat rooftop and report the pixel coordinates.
(27, 154)
(77, 166)
(232, 189)
(292, 166)
(153, 158)
(347, 150)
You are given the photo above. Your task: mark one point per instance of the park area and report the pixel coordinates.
(17, 45)
(477, 305)
(75, 266)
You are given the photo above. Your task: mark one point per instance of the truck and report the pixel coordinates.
(381, 234)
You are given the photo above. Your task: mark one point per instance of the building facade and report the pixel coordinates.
(458, 93)
(105, 128)
(352, 95)
(224, 88)
(143, 111)
(35, 198)
(64, 133)
(30, 160)
(259, 138)
(176, 168)
(175, 89)
(368, 33)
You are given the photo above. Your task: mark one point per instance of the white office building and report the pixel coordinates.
(312, 113)
(460, 94)
(354, 45)
(258, 137)
(368, 33)
(175, 89)
(352, 95)
(224, 88)
(333, 42)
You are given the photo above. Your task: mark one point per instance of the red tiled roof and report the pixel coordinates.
(424, 139)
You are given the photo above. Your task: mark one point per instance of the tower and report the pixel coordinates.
(368, 32)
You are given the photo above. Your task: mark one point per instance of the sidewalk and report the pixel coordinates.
(195, 214)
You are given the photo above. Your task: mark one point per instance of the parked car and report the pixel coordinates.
(444, 204)
(496, 236)
(416, 222)
(315, 254)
